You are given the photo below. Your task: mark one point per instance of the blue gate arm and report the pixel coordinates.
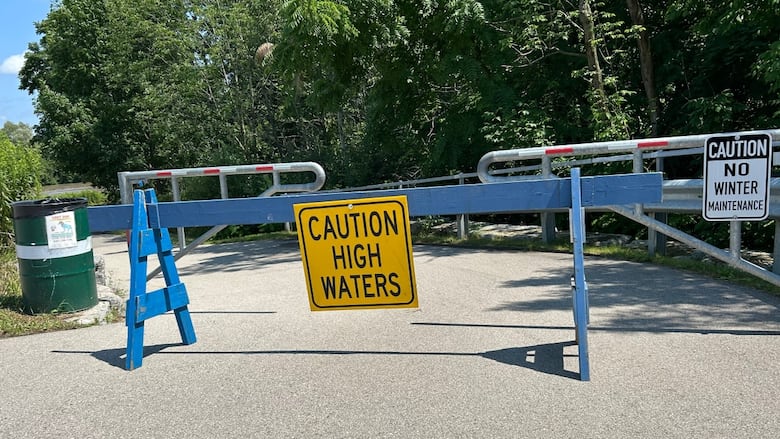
(509, 197)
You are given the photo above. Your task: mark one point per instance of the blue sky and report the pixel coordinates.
(17, 29)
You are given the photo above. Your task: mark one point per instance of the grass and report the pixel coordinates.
(13, 320)
(94, 197)
(254, 237)
(14, 323)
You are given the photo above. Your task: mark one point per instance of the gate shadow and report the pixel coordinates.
(546, 358)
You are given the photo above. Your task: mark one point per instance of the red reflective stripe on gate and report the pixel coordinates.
(264, 168)
(211, 171)
(653, 144)
(164, 174)
(562, 150)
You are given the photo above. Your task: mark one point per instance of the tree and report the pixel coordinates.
(717, 69)
(82, 126)
(18, 133)
(380, 90)
(428, 75)
(135, 85)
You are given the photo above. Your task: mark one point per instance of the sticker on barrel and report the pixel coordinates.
(357, 254)
(61, 230)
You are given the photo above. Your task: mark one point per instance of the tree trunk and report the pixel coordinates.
(589, 40)
(646, 64)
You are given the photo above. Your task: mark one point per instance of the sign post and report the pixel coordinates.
(737, 169)
(357, 254)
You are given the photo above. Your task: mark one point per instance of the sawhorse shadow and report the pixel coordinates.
(546, 358)
(116, 357)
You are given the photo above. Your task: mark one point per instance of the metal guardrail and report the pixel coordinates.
(679, 196)
(129, 178)
(635, 147)
(682, 197)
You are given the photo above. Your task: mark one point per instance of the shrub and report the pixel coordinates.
(94, 197)
(20, 178)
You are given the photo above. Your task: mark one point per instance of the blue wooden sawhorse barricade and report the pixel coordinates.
(149, 220)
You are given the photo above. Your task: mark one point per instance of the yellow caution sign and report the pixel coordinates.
(357, 254)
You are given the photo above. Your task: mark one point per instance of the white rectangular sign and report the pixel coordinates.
(737, 169)
(61, 230)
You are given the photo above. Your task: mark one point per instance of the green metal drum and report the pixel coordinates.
(54, 250)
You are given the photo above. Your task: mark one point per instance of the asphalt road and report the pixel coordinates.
(488, 354)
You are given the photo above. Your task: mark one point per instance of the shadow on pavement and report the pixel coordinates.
(637, 297)
(116, 357)
(655, 329)
(545, 358)
(232, 312)
(240, 256)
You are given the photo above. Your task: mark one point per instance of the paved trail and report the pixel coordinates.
(489, 354)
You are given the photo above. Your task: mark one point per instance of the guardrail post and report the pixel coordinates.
(223, 189)
(735, 239)
(462, 220)
(125, 193)
(177, 197)
(776, 251)
(656, 242)
(638, 162)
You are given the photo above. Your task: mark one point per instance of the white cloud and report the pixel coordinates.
(12, 64)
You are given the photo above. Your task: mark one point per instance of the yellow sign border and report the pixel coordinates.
(401, 201)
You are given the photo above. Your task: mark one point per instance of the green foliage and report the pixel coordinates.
(758, 235)
(20, 173)
(380, 90)
(94, 197)
(10, 288)
(18, 133)
(614, 223)
(721, 59)
(135, 85)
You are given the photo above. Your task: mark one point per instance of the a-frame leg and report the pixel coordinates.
(138, 263)
(176, 294)
(580, 299)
